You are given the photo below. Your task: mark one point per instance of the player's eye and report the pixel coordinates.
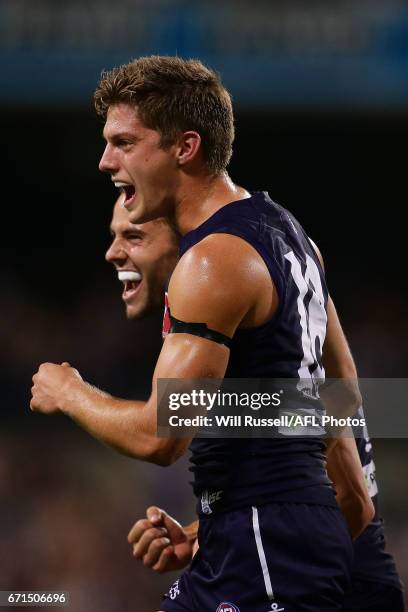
(122, 143)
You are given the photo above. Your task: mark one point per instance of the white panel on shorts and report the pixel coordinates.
(261, 553)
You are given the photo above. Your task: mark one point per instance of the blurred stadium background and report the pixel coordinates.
(321, 96)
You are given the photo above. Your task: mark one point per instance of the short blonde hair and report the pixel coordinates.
(173, 95)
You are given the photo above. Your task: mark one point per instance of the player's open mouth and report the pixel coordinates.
(131, 282)
(128, 190)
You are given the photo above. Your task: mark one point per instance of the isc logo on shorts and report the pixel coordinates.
(227, 607)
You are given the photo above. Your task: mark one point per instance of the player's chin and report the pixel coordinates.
(138, 212)
(144, 212)
(137, 310)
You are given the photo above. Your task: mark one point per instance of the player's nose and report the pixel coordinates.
(115, 253)
(107, 162)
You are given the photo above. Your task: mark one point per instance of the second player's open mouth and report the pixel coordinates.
(131, 282)
(130, 289)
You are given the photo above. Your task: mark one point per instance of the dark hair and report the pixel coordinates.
(173, 95)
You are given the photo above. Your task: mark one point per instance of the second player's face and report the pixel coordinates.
(144, 256)
(147, 173)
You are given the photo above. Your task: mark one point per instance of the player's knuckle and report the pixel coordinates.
(157, 544)
(139, 530)
(147, 537)
(144, 539)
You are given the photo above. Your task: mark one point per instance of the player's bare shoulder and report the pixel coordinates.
(224, 279)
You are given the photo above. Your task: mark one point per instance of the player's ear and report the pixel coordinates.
(187, 147)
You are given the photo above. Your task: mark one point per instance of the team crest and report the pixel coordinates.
(166, 317)
(174, 590)
(227, 607)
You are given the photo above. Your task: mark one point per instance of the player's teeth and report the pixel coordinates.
(119, 185)
(128, 275)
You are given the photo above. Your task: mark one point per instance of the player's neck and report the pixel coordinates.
(201, 199)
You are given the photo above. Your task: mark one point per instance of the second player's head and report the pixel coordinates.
(144, 257)
(166, 119)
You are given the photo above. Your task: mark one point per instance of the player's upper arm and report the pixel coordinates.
(217, 282)
(318, 253)
(337, 359)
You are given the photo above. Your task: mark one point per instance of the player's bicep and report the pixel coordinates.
(318, 252)
(190, 356)
(337, 358)
(209, 286)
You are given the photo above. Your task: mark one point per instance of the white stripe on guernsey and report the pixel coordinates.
(261, 553)
(369, 474)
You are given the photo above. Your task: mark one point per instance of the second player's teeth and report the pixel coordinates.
(128, 275)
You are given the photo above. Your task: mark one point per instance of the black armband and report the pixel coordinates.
(198, 329)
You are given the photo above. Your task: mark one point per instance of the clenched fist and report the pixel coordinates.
(52, 384)
(160, 541)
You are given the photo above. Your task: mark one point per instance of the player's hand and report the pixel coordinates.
(50, 384)
(160, 541)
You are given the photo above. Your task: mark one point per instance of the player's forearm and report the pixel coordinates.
(344, 468)
(123, 424)
(358, 512)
